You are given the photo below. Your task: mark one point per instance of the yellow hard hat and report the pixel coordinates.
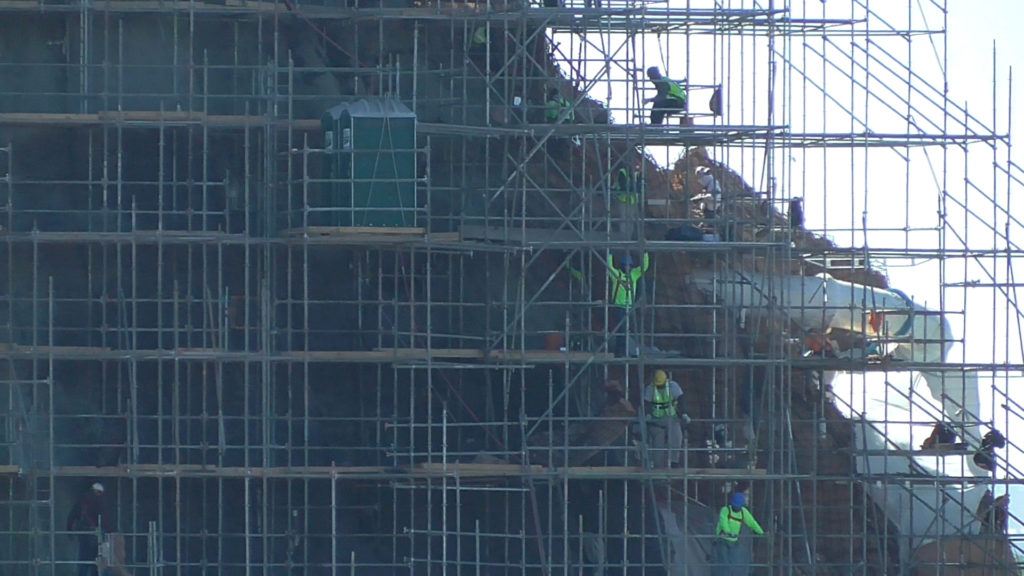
(660, 378)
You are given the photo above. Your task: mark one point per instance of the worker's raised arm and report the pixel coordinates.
(576, 273)
(610, 262)
(751, 523)
(647, 262)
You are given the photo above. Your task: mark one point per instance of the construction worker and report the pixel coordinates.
(670, 99)
(479, 39)
(556, 104)
(478, 48)
(711, 194)
(663, 405)
(715, 102)
(623, 297)
(796, 213)
(554, 108)
(730, 559)
(985, 457)
(625, 204)
(88, 520)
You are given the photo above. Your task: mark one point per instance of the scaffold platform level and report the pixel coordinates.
(535, 237)
(154, 119)
(663, 135)
(367, 235)
(669, 134)
(470, 237)
(416, 471)
(424, 356)
(614, 15)
(168, 237)
(378, 356)
(674, 133)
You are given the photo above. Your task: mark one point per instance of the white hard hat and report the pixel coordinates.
(97, 487)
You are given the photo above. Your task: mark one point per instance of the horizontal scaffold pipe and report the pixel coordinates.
(512, 241)
(462, 470)
(510, 359)
(660, 15)
(873, 139)
(154, 119)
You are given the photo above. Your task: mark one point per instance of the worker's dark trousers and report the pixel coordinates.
(730, 559)
(617, 320)
(628, 215)
(663, 106)
(665, 440)
(87, 552)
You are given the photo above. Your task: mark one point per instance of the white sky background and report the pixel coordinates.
(978, 33)
(893, 194)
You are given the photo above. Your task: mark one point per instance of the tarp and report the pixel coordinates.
(893, 413)
(905, 330)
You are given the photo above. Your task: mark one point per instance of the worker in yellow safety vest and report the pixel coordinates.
(730, 558)
(623, 296)
(663, 405)
(670, 98)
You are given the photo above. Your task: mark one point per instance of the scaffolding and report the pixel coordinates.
(271, 376)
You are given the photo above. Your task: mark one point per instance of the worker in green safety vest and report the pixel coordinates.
(624, 279)
(626, 203)
(558, 107)
(663, 405)
(730, 558)
(556, 104)
(670, 99)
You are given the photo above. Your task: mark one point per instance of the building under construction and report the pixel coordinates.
(329, 287)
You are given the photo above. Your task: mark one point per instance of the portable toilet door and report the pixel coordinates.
(370, 166)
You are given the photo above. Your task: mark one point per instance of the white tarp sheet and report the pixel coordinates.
(908, 331)
(893, 413)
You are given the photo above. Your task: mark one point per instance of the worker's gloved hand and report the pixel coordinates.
(684, 418)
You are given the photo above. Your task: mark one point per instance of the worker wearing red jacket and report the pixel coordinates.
(88, 520)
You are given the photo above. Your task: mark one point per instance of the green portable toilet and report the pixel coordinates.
(370, 166)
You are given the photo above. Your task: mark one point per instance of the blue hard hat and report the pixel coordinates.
(739, 500)
(627, 260)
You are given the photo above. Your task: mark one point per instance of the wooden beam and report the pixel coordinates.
(368, 235)
(526, 236)
(354, 230)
